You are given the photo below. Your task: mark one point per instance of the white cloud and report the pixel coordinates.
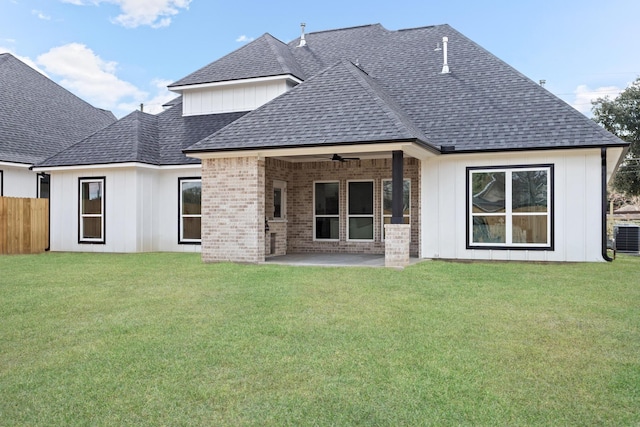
(90, 77)
(584, 95)
(244, 38)
(135, 13)
(41, 15)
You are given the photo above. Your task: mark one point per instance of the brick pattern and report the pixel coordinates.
(396, 253)
(233, 206)
(276, 170)
(300, 178)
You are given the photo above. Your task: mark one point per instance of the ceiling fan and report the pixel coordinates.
(339, 158)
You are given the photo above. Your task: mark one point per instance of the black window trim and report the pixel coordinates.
(550, 247)
(180, 240)
(103, 179)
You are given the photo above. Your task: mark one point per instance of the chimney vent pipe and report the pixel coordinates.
(303, 42)
(445, 66)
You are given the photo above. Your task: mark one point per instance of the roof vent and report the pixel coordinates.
(303, 42)
(445, 66)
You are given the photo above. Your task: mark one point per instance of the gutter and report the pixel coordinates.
(603, 158)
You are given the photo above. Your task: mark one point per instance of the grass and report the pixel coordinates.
(162, 339)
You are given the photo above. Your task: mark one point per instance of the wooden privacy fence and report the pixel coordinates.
(24, 225)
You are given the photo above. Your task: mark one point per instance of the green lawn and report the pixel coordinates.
(162, 339)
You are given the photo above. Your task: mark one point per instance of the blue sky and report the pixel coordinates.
(117, 54)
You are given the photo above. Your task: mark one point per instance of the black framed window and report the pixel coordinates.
(510, 207)
(44, 181)
(91, 210)
(190, 210)
(360, 210)
(326, 215)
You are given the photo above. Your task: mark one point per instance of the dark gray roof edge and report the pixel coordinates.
(234, 80)
(355, 27)
(68, 165)
(538, 148)
(423, 144)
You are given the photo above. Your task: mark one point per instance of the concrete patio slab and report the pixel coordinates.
(331, 260)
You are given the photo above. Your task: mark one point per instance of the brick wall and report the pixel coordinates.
(300, 178)
(233, 209)
(276, 239)
(396, 252)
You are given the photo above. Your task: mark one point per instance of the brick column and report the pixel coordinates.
(396, 245)
(233, 210)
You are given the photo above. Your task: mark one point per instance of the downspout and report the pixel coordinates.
(603, 158)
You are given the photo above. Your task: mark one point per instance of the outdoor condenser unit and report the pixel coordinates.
(627, 238)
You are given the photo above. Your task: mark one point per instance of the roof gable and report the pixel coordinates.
(39, 117)
(134, 138)
(263, 57)
(338, 106)
(143, 138)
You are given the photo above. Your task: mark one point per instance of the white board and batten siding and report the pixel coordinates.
(232, 98)
(18, 181)
(141, 209)
(576, 197)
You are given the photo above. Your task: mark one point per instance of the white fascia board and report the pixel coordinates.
(115, 166)
(15, 165)
(615, 156)
(285, 77)
(411, 148)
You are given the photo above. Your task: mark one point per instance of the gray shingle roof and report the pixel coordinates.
(482, 104)
(38, 118)
(264, 57)
(339, 105)
(143, 138)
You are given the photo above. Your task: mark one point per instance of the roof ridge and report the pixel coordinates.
(395, 112)
(348, 28)
(278, 53)
(138, 143)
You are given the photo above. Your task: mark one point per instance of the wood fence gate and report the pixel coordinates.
(24, 225)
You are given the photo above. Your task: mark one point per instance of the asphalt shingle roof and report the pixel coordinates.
(347, 107)
(143, 138)
(39, 118)
(482, 104)
(264, 57)
(394, 92)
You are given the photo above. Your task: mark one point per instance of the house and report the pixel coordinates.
(38, 118)
(414, 142)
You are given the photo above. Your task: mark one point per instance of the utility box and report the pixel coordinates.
(627, 238)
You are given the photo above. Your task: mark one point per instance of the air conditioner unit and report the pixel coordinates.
(627, 238)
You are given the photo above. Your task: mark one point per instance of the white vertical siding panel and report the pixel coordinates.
(576, 205)
(238, 97)
(18, 182)
(593, 211)
(429, 216)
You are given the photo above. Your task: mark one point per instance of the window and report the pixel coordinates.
(360, 210)
(43, 185)
(91, 210)
(510, 207)
(190, 215)
(326, 215)
(279, 200)
(386, 202)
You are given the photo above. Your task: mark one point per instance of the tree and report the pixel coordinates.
(621, 116)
